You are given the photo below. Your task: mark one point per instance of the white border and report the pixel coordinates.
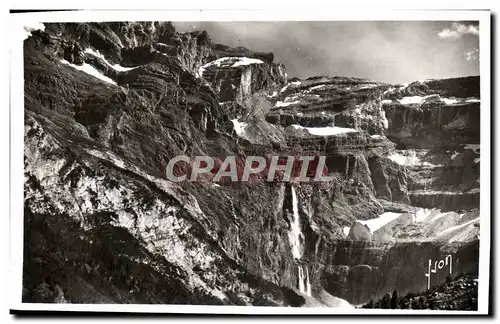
(254, 15)
(17, 121)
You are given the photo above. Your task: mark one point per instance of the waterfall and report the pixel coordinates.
(304, 282)
(295, 233)
(301, 280)
(308, 283)
(296, 237)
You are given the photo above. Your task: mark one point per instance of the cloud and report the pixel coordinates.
(472, 55)
(327, 47)
(457, 30)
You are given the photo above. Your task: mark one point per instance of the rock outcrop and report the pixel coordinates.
(108, 105)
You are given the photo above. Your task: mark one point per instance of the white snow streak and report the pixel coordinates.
(239, 127)
(284, 104)
(419, 99)
(275, 93)
(376, 223)
(412, 100)
(424, 214)
(115, 67)
(474, 147)
(458, 226)
(89, 69)
(317, 87)
(224, 62)
(410, 159)
(449, 101)
(325, 131)
(247, 61)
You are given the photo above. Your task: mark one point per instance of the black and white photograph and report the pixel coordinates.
(312, 166)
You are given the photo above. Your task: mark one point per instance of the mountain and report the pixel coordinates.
(108, 105)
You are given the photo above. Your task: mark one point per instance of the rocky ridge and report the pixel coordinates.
(107, 105)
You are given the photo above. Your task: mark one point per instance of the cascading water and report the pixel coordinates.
(302, 288)
(308, 283)
(296, 237)
(295, 234)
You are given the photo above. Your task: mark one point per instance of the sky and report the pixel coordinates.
(385, 51)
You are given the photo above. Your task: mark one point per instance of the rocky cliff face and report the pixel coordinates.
(427, 114)
(107, 105)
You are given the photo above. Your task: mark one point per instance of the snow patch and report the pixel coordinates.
(125, 219)
(454, 155)
(346, 230)
(115, 67)
(295, 83)
(386, 101)
(368, 86)
(412, 100)
(419, 99)
(239, 127)
(439, 215)
(391, 89)
(442, 192)
(325, 131)
(247, 61)
(448, 230)
(317, 87)
(474, 147)
(376, 223)
(410, 159)
(449, 101)
(376, 136)
(225, 62)
(89, 69)
(275, 93)
(422, 214)
(284, 103)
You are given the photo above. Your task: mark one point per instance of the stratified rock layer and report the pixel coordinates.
(108, 105)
